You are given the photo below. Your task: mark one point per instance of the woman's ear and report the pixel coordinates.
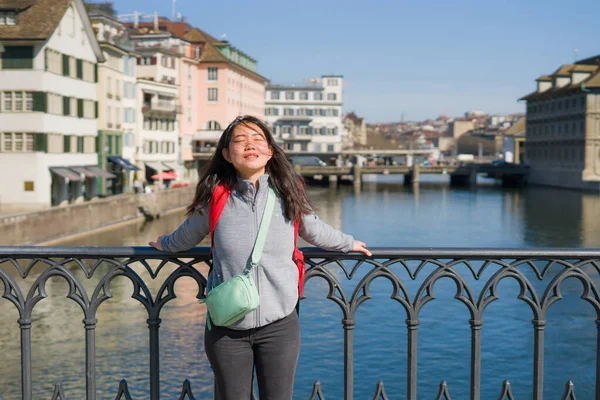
(225, 153)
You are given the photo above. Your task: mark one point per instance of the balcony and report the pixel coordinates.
(160, 110)
(400, 268)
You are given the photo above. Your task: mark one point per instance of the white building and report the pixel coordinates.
(116, 102)
(307, 118)
(157, 144)
(48, 75)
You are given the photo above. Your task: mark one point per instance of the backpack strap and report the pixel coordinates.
(217, 204)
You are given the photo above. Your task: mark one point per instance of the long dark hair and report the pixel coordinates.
(288, 184)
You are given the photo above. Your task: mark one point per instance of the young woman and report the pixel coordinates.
(247, 161)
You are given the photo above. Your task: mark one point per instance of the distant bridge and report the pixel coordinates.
(460, 175)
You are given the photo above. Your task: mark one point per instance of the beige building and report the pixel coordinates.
(116, 102)
(357, 131)
(457, 128)
(563, 127)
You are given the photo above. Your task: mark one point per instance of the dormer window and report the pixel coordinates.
(8, 18)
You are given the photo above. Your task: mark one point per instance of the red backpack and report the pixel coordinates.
(217, 204)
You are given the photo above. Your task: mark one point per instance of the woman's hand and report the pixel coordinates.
(361, 247)
(157, 244)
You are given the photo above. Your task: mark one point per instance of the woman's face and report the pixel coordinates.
(248, 150)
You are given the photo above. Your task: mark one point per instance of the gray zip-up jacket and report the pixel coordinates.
(276, 275)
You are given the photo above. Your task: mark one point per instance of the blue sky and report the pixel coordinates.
(423, 58)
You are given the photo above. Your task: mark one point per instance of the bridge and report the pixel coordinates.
(460, 175)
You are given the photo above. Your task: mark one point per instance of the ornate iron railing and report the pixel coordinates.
(558, 265)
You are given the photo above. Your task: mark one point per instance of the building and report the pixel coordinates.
(48, 76)
(357, 130)
(116, 103)
(228, 86)
(563, 127)
(458, 127)
(307, 118)
(514, 143)
(224, 85)
(158, 74)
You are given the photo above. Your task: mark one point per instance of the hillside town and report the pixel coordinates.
(96, 103)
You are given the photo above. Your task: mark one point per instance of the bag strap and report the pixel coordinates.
(217, 204)
(265, 221)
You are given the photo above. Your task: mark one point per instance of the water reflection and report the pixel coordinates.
(384, 213)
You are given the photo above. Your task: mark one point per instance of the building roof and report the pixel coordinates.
(210, 53)
(517, 129)
(592, 81)
(292, 87)
(15, 4)
(355, 118)
(38, 19)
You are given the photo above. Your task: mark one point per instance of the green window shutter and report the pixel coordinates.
(80, 144)
(96, 73)
(39, 102)
(80, 108)
(118, 146)
(65, 65)
(46, 59)
(79, 69)
(66, 143)
(40, 142)
(17, 57)
(96, 106)
(66, 105)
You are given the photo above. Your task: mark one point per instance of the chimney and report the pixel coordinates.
(155, 21)
(136, 19)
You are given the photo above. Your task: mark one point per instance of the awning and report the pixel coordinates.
(66, 173)
(155, 166)
(171, 166)
(123, 163)
(100, 172)
(288, 119)
(83, 171)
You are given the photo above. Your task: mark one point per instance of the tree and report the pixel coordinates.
(104, 7)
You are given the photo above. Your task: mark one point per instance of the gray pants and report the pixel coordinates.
(272, 349)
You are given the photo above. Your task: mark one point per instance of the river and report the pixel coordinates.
(384, 213)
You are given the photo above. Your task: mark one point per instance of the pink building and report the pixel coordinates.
(227, 86)
(189, 101)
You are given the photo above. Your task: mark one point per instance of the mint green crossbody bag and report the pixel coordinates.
(233, 299)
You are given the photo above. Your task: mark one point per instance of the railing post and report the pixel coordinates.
(27, 392)
(154, 325)
(475, 358)
(411, 373)
(90, 358)
(598, 359)
(538, 358)
(348, 358)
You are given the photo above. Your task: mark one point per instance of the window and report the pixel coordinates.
(331, 131)
(109, 116)
(289, 95)
(274, 95)
(304, 130)
(335, 112)
(109, 87)
(330, 148)
(331, 96)
(318, 96)
(8, 101)
(213, 126)
(213, 94)
(213, 73)
(17, 57)
(286, 129)
(332, 82)
(88, 71)
(16, 142)
(8, 18)
(301, 112)
(309, 112)
(317, 147)
(304, 146)
(288, 111)
(197, 51)
(303, 95)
